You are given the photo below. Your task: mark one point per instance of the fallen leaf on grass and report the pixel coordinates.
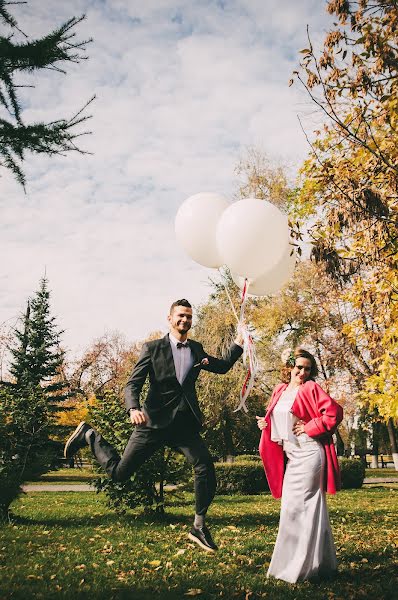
(179, 552)
(193, 592)
(154, 563)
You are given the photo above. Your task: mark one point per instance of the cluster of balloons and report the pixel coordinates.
(250, 237)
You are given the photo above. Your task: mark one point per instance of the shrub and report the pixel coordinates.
(146, 488)
(25, 449)
(246, 475)
(247, 458)
(352, 473)
(241, 477)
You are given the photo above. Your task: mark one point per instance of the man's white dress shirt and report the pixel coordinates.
(183, 358)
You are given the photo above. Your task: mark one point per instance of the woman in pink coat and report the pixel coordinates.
(301, 465)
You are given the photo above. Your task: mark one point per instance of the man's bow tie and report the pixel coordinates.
(181, 345)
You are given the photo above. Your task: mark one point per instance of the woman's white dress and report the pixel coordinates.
(304, 547)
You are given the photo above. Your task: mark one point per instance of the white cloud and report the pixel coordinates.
(182, 88)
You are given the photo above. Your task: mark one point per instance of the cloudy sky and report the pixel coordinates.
(183, 88)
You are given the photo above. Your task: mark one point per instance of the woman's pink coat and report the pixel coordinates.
(321, 415)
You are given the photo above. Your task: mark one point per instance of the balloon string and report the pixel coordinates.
(249, 356)
(249, 350)
(231, 303)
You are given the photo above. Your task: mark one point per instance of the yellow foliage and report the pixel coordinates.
(75, 412)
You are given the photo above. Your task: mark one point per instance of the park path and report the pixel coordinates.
(63, 487)
(84, 487)
(380, 480)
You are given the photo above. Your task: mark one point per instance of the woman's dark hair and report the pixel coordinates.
(182, 302)
(291, 361)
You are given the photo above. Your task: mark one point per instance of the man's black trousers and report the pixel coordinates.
(181, 434)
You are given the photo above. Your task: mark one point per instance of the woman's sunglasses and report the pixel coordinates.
(302, 367)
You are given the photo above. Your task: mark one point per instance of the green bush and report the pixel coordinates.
(247, 458)
(352, 473)
(246, 475)
(146, 488)
(241, 477)
(25, 449)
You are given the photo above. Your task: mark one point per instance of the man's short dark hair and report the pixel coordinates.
(182, 302)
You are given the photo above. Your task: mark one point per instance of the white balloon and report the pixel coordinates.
(272, 280)
(252, 236)
(196, 224)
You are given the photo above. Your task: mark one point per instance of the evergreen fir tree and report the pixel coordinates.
(26, 450)
(26, 56)
(20, 365)
(37, 357)
(28, 404)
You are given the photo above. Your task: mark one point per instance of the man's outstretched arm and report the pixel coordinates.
(223, 365)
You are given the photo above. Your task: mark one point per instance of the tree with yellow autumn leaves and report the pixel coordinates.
(350, 182)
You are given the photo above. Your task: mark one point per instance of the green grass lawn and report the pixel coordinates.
(65, 476)
(70, 545)
(387, 473)
(86, 474)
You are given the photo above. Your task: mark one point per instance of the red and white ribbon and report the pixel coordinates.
(249, 350)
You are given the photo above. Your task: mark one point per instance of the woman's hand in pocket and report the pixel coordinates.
(298, 427)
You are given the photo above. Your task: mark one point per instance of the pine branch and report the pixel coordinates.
(43, 53)
(54, 138)
(49, 52)
(7, 17)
